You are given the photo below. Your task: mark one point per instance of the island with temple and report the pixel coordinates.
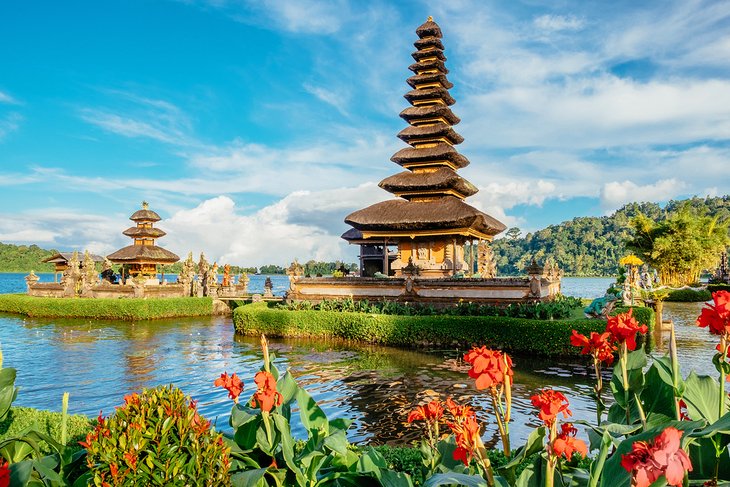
(427, 244)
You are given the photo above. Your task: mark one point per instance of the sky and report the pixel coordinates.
(254, 127)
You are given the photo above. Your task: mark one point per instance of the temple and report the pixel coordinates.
(427, 245)
(141, 258)
(428, 224)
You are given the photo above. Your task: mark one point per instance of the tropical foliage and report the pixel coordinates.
(23, 258)
(592, 246)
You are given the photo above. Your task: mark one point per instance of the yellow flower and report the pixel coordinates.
(630, 259)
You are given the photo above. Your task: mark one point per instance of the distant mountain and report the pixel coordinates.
(23, 258)
(592, 246)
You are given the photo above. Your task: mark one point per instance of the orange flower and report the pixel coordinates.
(598, 345)
(4, 474)
(489, 367)
(566, 443)
(467, 439)
(459, 412)
(550, 403)
(716, 316)
(266, 397)
(433, 411)
(647, 462)
(623, 328)
(232, 384)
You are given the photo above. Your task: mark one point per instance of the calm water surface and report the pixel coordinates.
(99, 362)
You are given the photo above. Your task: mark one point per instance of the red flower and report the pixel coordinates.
(623, 328)
(550, 403)
(4, 474)
(598, 345)
(266, 397)
(647, 462)
(131, 459)
(489, 367)
(433, 411)
(458, 411)
(566, 443)
(467, 439)
(232, 384)
(716, 316)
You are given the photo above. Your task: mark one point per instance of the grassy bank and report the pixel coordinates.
(105, 309)
(543, 337)
(19, 419)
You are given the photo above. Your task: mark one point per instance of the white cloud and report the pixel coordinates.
(554, 23)
(6, 98)
(615, 194)
(339, 100)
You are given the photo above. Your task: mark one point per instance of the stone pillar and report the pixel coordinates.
(31, 279)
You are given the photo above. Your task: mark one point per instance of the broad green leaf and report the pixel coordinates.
(20, 473)
(371, 461)
(287, 446)
(389, 478)
(531, 476)
(288, 388)
(701, 396)
(446, 451)
(250, 478)
(312, 415)
(658, 398)
(535, 443)
(720, 426)
(451, 478)
(337, 442)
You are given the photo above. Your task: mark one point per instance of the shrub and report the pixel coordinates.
(105, 308)
(689, 295)
(559, 308)
(156, 438)
(713, 288)
(543, 337)
(20, 419)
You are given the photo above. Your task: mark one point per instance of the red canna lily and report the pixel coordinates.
(566, 443)
(647, 462)
(266, 397)
(460, 412)
(432, 411)
(232, 384)
(489, 367)
(551, 403)
(598, 345)
(467, 439)
(4, 474)
(716, 316)
(623, 328)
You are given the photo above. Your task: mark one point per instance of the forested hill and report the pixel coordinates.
(23, 258)
(591, 246)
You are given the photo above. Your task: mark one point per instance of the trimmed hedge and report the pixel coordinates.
(718, 287)
(542, 337)
(48, 422)
(105, 308)
(689, 295)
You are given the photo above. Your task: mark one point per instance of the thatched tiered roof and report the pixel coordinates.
(431, 192)
(144, 250)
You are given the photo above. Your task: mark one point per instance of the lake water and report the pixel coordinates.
(99, 362)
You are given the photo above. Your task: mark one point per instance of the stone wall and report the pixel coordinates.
(438, 292)
(106, 290)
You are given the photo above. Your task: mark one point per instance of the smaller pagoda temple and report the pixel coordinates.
(142, 257)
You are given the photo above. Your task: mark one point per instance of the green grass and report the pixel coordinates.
(105, 308)
(20, 419)
(541, 337)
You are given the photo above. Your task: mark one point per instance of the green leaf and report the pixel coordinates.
(288, 388)
(287, 446)
(446, 451)
(311, 414)
(451, 478)
(535, 443)
(337, 442)
(250, 478)
(20, 473)
(658, 398)
(701, 396)
(389, 478)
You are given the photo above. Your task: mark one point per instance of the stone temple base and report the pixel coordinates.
(437, 292)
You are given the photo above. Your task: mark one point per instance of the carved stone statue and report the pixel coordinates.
(268, 288)
(486, 266)
(203, 271)
(295, 269)
(243, 280)
(227, 275)
(187, 275)
(107, 273)
(213, 281)
(89, 276)
(31, 279)
(71, 278)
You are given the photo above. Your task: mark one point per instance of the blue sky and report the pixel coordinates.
(255, 127)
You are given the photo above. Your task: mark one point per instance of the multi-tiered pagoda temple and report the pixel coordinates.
(429, 221)
(142, 257)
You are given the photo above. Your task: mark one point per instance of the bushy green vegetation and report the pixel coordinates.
(718, 287)
(23, 258)
(20, 419)
(689, 295)
(105, 309)
(542, 337)
(559, 308)
(592, 246)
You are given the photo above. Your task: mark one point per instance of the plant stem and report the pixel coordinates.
(484, 461)
(623, 352)
(64, 418)
(500, 424)
(675, 366)
(599, 390)
(550, 470)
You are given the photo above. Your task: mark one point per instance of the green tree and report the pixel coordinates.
(513, 233)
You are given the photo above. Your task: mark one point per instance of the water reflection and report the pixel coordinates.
(99, 362)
